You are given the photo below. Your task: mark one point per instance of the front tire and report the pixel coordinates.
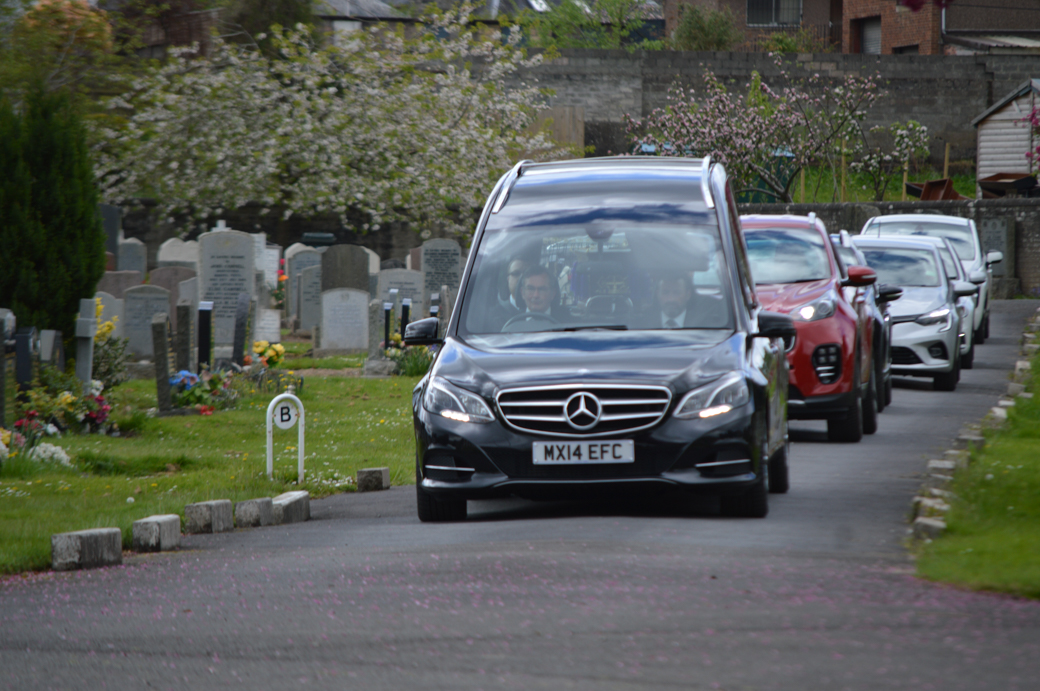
(849, 429)
(434, 510)
(870, 407)
(968, 359)
(947, 381)
(754, 503)
(779, 481)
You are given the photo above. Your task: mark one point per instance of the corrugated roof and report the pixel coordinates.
(1023, 89)
(355, 8)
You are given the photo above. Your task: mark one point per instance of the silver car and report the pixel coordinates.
(964, 236)
(926, 324)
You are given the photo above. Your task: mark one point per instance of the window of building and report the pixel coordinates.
(774, 12)
(870, 38)
(907, 50)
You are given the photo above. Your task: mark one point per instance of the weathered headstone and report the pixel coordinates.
(259, 251)
(8, 323)
(409, 284)
(161, 357)
(26, 356)
(184, 341)
(110, 261)
(243, 311)
(373, 261)
(269, 325)
(344, 266)
(272, 260)
(414, 259)
(299, 261)
(112, 222)
(344, 322)
(170, 278)
(375, 330)
(292, 249)
(139, 306)
(177, 252)
(133, 256)
(309, 304)
(52, 350)
(263, 294)
(226, 271)
(116, 283)
(205, 323)
(111, 310)
(441, 261)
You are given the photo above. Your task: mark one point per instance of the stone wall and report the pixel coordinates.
(942, 92)
(1017, 219)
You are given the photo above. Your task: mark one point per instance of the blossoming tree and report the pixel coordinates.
(879, 163)
(377, 128)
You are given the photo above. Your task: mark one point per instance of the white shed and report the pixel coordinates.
(1003, 136)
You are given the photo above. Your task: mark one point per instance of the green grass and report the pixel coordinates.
(821, 186)
(351, 423)
(295, 363)
(993, 529)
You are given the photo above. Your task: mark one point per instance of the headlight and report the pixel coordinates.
(812, 311)
(716, 398)
(942, 314)
(447, 400)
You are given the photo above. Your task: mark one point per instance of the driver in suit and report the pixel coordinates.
(677, 305)
(538, 292)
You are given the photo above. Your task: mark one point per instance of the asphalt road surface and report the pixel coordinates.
(663, 595)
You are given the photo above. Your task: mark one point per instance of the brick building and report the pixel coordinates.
(760, 18)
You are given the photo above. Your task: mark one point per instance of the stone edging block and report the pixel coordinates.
(291, 507)
(86, 549)
(157, 533)
(209, 517)
(254, 513)
(373, 479)
(928, 528)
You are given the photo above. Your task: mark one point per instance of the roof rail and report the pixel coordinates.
(511, 178)
(709, 200)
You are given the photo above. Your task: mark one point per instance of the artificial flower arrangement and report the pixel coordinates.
(270, 353)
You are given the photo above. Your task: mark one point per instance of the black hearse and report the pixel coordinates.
(606, 337)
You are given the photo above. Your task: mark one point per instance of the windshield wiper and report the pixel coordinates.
(592, 327)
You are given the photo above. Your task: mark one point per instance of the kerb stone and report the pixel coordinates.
(373, 479)
(157, 533)
(209, 517)
(291, 507)
(254, 513)
(86, 549)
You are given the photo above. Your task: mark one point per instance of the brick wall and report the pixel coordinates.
(942, 92)
(815, 13)
(1021, 271)
(900, 28)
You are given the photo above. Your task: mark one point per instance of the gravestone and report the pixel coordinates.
(86, 329)
(226, 271)
(189, 290)
(112, 222)
(116, 283)
(161, 358)
(414, 260)
(184, 340)
(170, 278)
(269, 325)
(292, 249)
(272, 262)
(310, 297)
(375, 330)
(409, 284)
(111, 307)
(263, 293)
(177, 252)
(344, 322)
(373, 272)
(441, 261)
(110, 261)
(52, 351)
(344, 266)
(299, 261)
(205, 331)
(243, 312)
(132, 256)
(8, 322)
(140, 304)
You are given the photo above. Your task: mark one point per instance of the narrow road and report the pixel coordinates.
(663, 595)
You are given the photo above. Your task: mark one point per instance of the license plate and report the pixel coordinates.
(584, 452)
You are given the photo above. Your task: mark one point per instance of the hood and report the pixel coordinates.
(917, 301)
(682, 359)
(784, 297)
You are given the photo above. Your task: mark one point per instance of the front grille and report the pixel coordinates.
(622, 408)
(826, 361)
(904, 356)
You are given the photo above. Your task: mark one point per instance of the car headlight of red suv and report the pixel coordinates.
(821, 308)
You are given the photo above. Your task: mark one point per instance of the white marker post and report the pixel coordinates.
(284, 411)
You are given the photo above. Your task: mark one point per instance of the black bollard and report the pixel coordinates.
(205, 333)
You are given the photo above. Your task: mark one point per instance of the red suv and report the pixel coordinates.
(798, 272)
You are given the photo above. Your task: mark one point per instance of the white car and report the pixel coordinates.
(964, 236)
(926, 323)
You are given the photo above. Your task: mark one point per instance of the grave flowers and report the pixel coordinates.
(205, 392)
(270, 354)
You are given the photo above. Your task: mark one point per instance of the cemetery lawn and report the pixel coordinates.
(165, 463)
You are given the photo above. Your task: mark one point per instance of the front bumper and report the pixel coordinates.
(911, 349)
(829, 407)
(808, 397)
(459, 460)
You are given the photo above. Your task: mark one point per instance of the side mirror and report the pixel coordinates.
(773, 325)
(422, 332)
(994, 257)
(978, 276)
(887, 292)
(860, 276)
(963, 289)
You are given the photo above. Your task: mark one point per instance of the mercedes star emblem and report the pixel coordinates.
(582, 411)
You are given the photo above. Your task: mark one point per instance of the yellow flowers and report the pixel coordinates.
(270, 354)
(104, 329)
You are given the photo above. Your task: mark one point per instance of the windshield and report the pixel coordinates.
(959, 235)
(787, 255)
(950, 264)
(635, 272)
(904, 267)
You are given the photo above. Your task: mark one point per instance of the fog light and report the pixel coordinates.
(826, 361)
(938, 351)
